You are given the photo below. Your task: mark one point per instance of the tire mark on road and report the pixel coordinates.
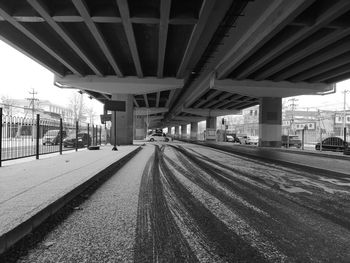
(226, 244)
(158, 238)
(292, 233)
(325, 205)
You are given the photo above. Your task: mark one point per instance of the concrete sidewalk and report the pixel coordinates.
(32, 191)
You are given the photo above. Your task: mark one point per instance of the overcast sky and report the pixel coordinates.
(19, 74)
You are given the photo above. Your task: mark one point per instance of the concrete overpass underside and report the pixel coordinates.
(185, 56)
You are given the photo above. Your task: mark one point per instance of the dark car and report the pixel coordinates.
(53, 137)
(84, 139)
(291, 140)
(332, 144)
(347, 150)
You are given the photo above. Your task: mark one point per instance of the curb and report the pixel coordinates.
(14, 235)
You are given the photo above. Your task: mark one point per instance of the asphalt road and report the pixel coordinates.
(179, 202)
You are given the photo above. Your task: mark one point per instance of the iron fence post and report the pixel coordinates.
(76, 135)
(96, 134)
(61, 135)
(88, 131)
(37, 135)
(93, 135)
(0, 135)
(344, 135)
(100, 133)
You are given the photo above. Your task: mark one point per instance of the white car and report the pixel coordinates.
(253, 140)
(156, 137)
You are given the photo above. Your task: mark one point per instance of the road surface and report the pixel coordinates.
(177, 202)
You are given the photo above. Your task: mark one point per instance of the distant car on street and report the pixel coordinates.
(254, 140)
(332, 144)
(347, 150)
(84, 139)
(157, 137)
(229, 138)
(243, 138)
(52, 137)
(292, 141)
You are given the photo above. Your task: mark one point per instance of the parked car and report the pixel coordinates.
(332, 144)
(243, 139)
(254, 140)
(229, 138)
(293, 141)
(53, 137)
(84, 139)
(157, 137)
(347, 150)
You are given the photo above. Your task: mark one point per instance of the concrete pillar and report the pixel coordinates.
(177, 131)
(210, 132)
(169, 130)
(140, 128)
(124, 120)
(194, 130)
(270, 122)
(211, 123)
(184, 131)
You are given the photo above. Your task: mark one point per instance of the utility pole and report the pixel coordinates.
(32, 105)
(32, 101)
(344, 112)
(293, 107)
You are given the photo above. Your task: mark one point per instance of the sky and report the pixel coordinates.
(20, 74)
(325, 102)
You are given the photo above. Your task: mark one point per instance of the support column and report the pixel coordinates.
(210, 131)
(140, 129)
(211, 123)
(169, 131)
(184, 131)
(124, 120)
(194, 130)
(270, 122)
(177, 132)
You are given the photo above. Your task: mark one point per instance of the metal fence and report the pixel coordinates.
(24, 137)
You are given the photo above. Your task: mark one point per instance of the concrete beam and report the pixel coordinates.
(259, 89)
(206, 10)
(154, 118)
(149, 111)
(84, 12)
(41, 7)
(275, 16)
(163, 34)
(189, 119)
(209, 112)
(130, 36)
(113, 84)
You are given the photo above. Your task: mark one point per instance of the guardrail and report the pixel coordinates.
(22, 137)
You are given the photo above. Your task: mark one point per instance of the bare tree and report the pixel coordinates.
(7, 104)
(76, 104)
(91, 115)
